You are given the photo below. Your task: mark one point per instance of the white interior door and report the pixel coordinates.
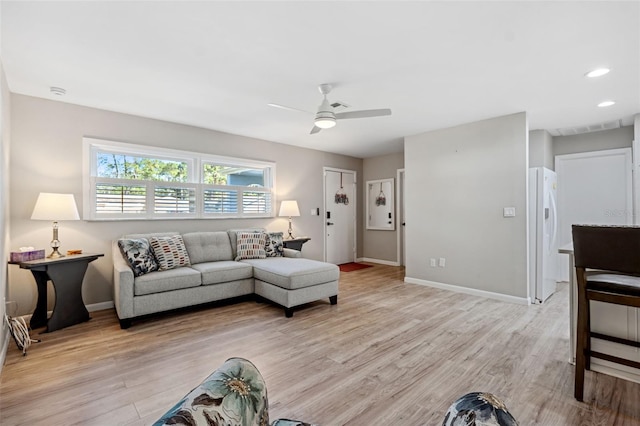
(594, 188)
(340, 217)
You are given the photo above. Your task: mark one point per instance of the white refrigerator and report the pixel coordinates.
(543, 234)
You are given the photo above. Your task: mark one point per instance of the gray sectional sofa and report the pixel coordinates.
(213, 274)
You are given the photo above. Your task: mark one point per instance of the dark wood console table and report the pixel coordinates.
(295, 243)
(66, 274)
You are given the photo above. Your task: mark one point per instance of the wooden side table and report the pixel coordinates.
(66, 274)
(295, 243)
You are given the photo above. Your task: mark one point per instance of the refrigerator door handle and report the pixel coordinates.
(554, 213)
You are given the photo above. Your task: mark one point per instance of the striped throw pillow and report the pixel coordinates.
(251, 245)
(170, 252)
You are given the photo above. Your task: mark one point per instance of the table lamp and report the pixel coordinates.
(289, 208)
(55, 207)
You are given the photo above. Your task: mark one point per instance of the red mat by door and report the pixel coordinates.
(352, 266)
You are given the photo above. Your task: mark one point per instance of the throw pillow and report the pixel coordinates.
(138, 254)
(251, 245)
(274, 247)
(170, 252)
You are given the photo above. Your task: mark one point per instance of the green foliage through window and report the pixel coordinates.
(120, 166)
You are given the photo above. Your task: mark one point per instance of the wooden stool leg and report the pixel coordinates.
(587, 356)
(581, 336)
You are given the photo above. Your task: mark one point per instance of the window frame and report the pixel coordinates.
(195, 180)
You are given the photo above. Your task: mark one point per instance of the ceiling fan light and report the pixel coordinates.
(599, 72)
(325, 122)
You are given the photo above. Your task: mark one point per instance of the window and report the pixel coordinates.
(124, 181)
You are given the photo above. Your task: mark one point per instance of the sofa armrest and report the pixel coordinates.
(122, 284)
(292, 253)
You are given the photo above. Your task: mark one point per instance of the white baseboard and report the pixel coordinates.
(599, 366)
(471, 291)
(91, 308)
(100, 306)
(381, 262)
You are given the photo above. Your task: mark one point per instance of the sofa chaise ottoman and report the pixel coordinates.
(293, 282)
(204, 267)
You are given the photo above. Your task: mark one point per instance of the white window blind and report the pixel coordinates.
(124, 181)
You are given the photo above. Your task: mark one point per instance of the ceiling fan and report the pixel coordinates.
(326, 116)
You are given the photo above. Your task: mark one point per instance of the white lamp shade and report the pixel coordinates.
(55, 207)
(289, 208)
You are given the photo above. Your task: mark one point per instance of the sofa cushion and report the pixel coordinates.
(173, 279)
(223, 271)
(207, 246)
(291, 273)
(251, 245)
(233, 238)
(274, 246)
(170, 252)
(138, 253)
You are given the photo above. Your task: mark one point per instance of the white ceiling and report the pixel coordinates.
(435, 64)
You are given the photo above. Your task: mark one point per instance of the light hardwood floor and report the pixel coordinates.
(388, 353)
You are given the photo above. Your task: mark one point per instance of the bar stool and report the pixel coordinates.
(612, 256)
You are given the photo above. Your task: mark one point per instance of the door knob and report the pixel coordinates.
(329, 223)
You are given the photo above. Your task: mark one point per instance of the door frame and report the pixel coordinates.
(326, 169)
(401, 243)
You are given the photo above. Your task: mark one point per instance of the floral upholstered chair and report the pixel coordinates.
(478, 409)
(234, 395)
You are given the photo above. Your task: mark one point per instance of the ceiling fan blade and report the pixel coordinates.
(289, 108)
(363, 114)
(315, 129)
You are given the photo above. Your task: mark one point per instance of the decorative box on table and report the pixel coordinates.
(24, 256)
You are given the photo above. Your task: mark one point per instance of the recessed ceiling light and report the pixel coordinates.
(606, 104)
(599, 72)
(58, 91)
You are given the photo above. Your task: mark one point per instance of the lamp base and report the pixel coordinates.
(55, 254)
(291, 237)
(55, 243)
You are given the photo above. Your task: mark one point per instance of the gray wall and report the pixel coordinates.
(595, 141)
(457, 182)
(380, 245)
(46, 156)
(5, 120)
(541, 149)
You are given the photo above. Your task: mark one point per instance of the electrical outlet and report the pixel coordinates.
(441, 262)
(433, 262)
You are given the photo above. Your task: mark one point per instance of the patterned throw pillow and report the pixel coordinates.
(170, 252)
(251, 245)
(273, 246)
(138, 254)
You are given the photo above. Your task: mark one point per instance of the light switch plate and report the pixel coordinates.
(509, 212)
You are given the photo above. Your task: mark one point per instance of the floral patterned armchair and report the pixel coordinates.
(235, 395)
